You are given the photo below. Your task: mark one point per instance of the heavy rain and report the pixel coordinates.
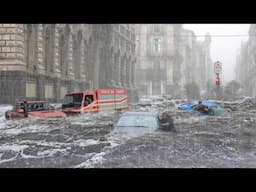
(68, 89)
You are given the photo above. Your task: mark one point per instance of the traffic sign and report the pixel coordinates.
(217, 67)
(217, 81)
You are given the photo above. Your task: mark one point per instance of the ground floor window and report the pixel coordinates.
(48, 91)
(30, 89)
(63, 92)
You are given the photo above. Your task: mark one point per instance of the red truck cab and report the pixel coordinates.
(95, 101)
(33, 109)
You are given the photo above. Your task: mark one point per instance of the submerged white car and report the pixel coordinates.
(139, 123)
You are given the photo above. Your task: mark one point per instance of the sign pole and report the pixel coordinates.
(217, 70)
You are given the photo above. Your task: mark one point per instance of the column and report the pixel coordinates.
(56, 52)
(40, 64)
(118, 72)
(70, 56)
(82, 61)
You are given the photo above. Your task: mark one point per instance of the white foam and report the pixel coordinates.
(98, 158)
(44, 143)
(50, 152)
(13, 147)
(11, 159)
(83, 142)
(3, 109)
(26, 129)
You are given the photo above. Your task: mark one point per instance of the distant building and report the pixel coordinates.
(196, 65)
(241, 69)
(250, 76)
(169, 57)
(246, 64)
(187, 49)
(45, 61)
(157, 69)
(205, 65)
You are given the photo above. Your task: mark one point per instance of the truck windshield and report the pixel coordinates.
(74, 100)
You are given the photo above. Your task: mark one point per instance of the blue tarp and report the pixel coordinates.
(214, 107)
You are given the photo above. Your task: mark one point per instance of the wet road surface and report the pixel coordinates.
(86, 141)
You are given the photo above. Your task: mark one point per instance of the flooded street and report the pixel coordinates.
(86, 141)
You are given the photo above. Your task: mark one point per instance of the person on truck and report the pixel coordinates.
(88, 101)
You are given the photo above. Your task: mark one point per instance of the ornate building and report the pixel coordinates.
(196, 65)
(169, 57)
(45, 61)
(157, 66)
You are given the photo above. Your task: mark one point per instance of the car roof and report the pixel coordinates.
(131, 113)
(33, 102)
(81, 92)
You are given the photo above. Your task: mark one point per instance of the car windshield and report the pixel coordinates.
(37, 106)
(137, 121)
(74, 100)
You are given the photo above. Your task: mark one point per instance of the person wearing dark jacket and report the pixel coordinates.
(166, 122)
(202, 108)
(25, 109)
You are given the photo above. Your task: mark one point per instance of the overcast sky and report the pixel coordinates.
(223, 49)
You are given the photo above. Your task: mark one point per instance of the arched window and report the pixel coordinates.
(137, 43)
(156, 45)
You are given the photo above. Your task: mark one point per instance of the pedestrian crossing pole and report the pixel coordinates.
(217, 71)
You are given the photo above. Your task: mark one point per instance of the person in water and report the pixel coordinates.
(25, 109)
(201, 107)
(166, 122)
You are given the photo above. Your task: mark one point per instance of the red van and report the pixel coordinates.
(95, 101)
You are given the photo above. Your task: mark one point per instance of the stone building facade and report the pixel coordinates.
(169, 57)
(246, 64)
(196, 65)
(241, 68)
(205, 66)
(45, 61)
(156, 68)
(187, 48)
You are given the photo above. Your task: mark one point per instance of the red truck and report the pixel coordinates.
(95, 101)
(33, 109)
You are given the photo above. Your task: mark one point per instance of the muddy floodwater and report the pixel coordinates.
(87, 141)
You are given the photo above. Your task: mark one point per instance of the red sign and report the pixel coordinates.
(217, 80)
(111, 91)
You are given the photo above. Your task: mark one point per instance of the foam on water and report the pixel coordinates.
(50, 152)
(83, 143)
(95, 159)
(194, 144)
(3, 109)
(13, 147)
